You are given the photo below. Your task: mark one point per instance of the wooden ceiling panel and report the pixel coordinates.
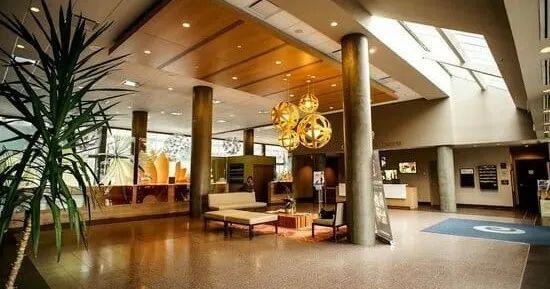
(161, 50)
(206, 18)
(244, 42)
(263, 67)
(297, 78)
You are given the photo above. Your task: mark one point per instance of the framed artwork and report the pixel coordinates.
(407, 168)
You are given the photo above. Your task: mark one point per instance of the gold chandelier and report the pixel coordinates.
(289, 140)
(309, 102)
(314, 131)
(285, 116)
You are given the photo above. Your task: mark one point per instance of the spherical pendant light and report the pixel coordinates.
(308, 103)
(314, 131)
(285, 116)
(289, 140)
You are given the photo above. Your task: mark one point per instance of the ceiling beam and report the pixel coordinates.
(139, 23)
(278, 74)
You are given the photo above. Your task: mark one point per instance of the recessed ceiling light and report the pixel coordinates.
(231, 115)
(216, 101)
(239, 46)
(129, 107)
(285, 79)
(332, 107)
(333, 85)
(106, 102)
(162, 112)
(21, 46)
(308, 81)
(312, 77)
(372, 50)
(186, 24)
(278, 62)
(333, 23)
(130, 83)
(117, 112)
(170, 88)
(288, 75)
(545, 49)
(35, 9)
(221, 121)
(234, 78)
(291, 95)
(147, 51)
(263, 112)
(176, 113)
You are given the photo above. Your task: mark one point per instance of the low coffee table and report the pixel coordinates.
(295, 220)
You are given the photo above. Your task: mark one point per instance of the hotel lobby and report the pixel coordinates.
(274, 144)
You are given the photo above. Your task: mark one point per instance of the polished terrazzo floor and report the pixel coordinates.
(176, 253)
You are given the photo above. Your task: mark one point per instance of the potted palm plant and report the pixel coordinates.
(52, 96)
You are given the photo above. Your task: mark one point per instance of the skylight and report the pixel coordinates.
(461, 54)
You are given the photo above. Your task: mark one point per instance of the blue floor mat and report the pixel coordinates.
(534, 235)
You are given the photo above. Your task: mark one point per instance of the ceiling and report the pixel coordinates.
(253, 61)
(485, 17)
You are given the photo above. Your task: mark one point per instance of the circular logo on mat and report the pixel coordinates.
(499, 230)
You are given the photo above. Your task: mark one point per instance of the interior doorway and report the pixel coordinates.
(263, 174)
(528, 172)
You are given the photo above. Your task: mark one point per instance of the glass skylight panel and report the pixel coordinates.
(476, 50)
(433, 40)
(494, 81)
(459, 72)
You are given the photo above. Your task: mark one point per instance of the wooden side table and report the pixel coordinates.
(296, 220)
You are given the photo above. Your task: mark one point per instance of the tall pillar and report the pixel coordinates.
(201, 147)
(139, 133)
(248, 141)
(446, 178)
(358, 139)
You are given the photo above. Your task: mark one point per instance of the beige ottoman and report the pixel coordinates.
(251, 219)
(219, 216)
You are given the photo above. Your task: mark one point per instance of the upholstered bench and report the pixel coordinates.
(246, 218)
(228, 201)
(218, 216)
(251, 219)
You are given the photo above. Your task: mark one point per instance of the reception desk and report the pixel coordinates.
(397, 195)
(401, 195)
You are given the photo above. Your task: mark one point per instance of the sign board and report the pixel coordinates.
(382, 221)
(319, 185)
(488, 177)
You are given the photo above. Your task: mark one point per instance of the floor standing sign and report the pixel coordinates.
(383, 228)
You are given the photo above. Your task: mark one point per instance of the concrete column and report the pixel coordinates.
(201, 148)
(139, 133)
(446, 178)
(248, 142)
(358, 140)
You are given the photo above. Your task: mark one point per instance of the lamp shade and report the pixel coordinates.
(289, 140)
(314, 131)
(308, 103)
(285, 115)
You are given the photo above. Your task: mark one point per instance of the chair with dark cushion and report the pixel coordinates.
(336, 222)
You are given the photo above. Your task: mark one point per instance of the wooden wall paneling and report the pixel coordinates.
(275, 84)
(262, 66)
(223, 52)
(205, 16)
(161, 50)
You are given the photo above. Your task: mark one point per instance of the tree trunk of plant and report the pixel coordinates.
(20, 255)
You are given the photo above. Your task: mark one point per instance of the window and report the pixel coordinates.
(281, 156)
